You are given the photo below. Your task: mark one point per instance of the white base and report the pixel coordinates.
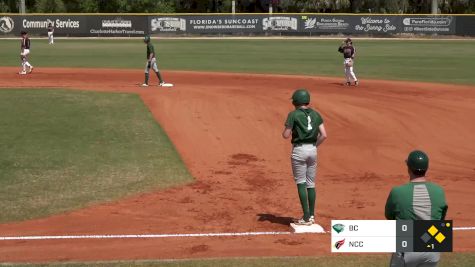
(167, 85)
(314, 228)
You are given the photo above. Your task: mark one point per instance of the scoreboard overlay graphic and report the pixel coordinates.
(391, 236)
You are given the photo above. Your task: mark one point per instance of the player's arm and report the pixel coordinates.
(340, 48)
(152, 53)
(353, 52)
(445, 207)
(322, 135)
(390, 207)
(287, 133)
(149, 60)
(289, 124)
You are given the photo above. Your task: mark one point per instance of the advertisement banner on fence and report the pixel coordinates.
(76, 25)
(167, 24)
(329, 24)
(350, 24)
(376, 24)
(280, 23)
(428, 25)
(63, 25)
(118, 26)
(259, 24)
(206, 24)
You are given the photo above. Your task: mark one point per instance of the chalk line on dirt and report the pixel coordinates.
(5, 238)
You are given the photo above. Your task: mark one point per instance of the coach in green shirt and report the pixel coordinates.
(416, 200)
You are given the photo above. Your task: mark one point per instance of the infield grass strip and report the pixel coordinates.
(335, 260)
(419, 60)
(62, 150)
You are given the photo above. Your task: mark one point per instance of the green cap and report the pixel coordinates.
(146, 38)
(417, 161)
(300, 96)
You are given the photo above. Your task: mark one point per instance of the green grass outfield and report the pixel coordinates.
(366, 260)
(62, 150)
(441, 61)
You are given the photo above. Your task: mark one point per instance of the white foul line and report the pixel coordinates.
(139, 236)
(5, 238)
(464, 228)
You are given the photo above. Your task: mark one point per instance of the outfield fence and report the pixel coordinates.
(130, 25)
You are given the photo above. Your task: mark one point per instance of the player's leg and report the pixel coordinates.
(397, 260)
(299, 169)
(421, 259)
(23, 63)
(30, 67)
(26, 52)
(310, 179)
(50, 38)
(147, 70)
(347, 72)
(353, 76)
(157, 71)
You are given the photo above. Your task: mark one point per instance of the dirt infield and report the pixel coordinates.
(227, 129)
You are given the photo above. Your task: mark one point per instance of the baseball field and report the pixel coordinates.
(162, 176)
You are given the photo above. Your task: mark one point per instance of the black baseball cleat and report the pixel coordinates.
(348, 84)
(356, 83)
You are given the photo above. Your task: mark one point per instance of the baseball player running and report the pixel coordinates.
(25, 51)
(50, 34)
(305, 125)
(348, 51)
(151, 63)
(416, 200)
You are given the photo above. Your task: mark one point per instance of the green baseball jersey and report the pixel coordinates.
(304, 124)
(416, 201)
(150, 50)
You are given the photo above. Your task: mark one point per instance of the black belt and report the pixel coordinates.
(301, 144)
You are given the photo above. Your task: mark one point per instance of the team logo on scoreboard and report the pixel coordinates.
(338, 227)
(339, 244)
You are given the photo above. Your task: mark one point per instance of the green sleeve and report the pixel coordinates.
(444, 212)
(320, 119)
(390, 207)
(438, 202)
(289, 123)
(444, 206)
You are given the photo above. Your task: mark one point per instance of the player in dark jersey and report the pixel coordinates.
(25, 51)
(306, 128)
(348, 51)
(50, 33)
